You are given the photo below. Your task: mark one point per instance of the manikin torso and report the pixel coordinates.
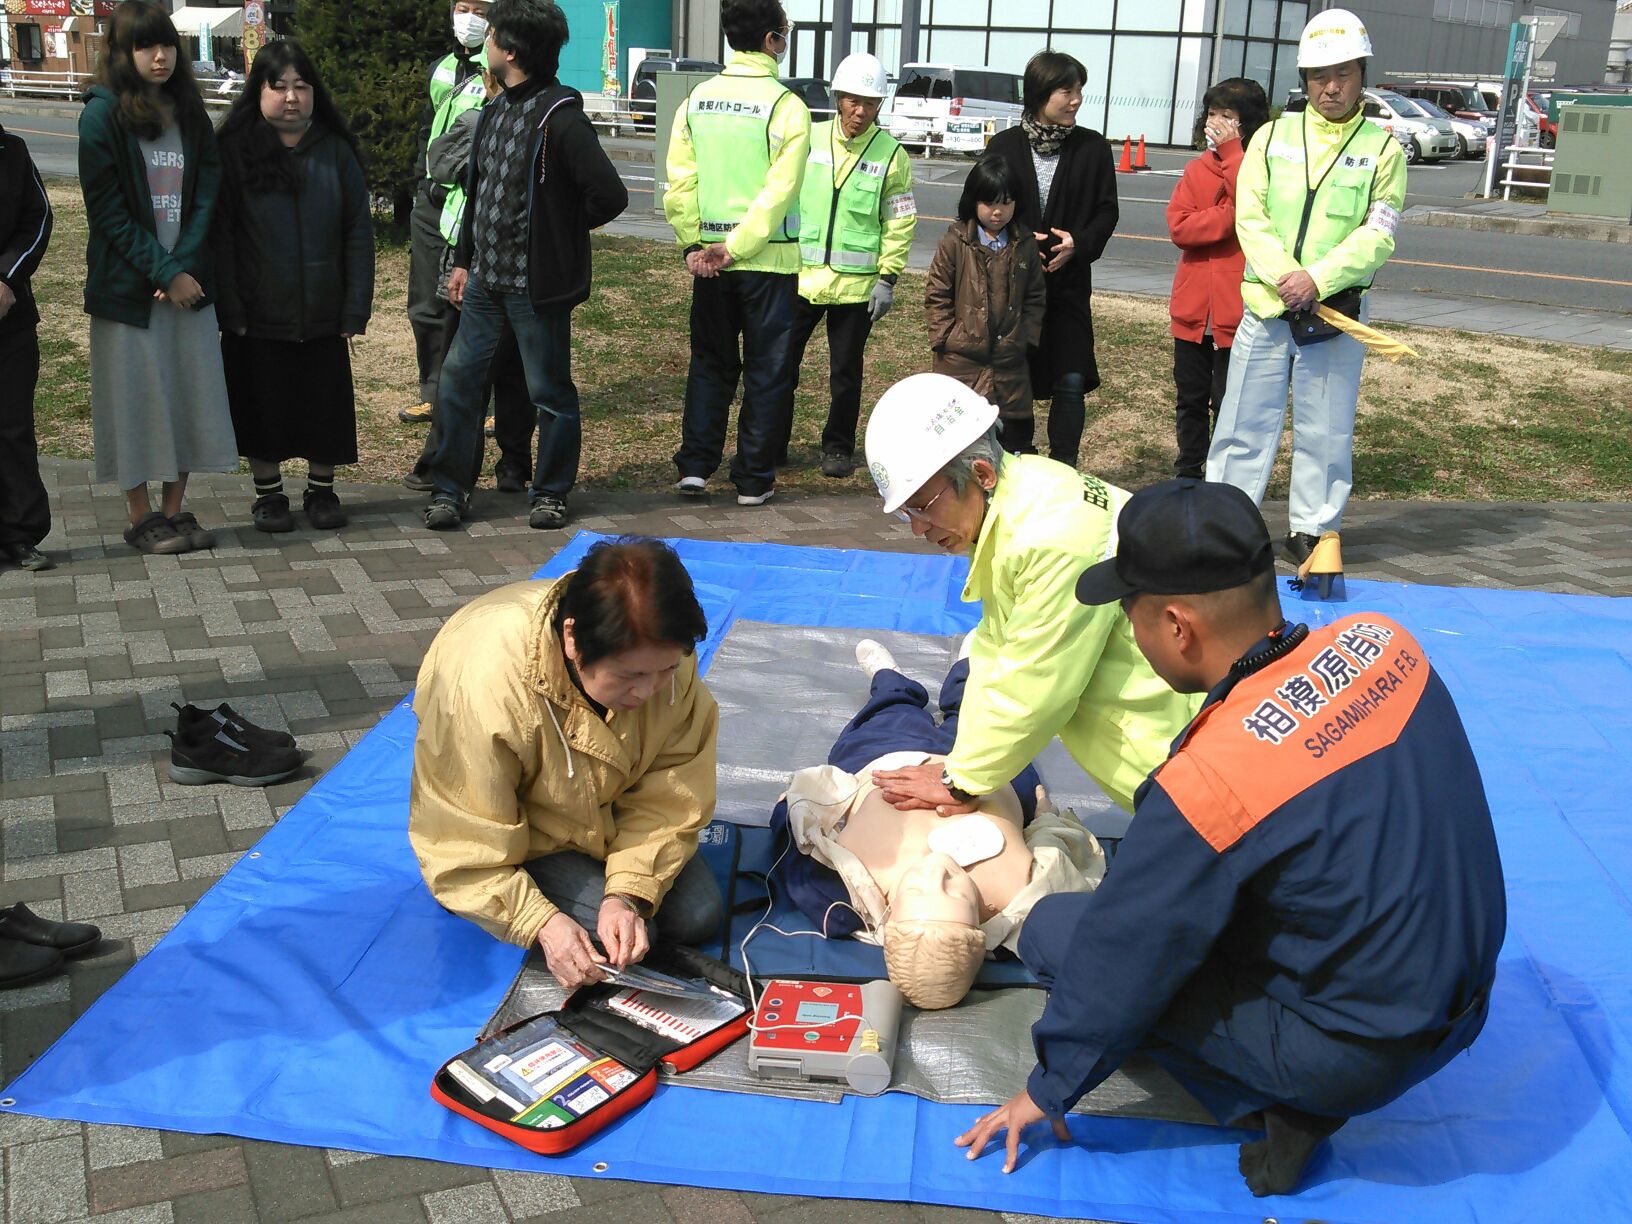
(888, 842)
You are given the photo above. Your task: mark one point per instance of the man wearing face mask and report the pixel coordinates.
(1317, 202)
(455, 89)
(856, 220)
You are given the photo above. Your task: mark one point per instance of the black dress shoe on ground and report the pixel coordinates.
(194, 722)
(1298, 546)
(22, 963)
(65, 938)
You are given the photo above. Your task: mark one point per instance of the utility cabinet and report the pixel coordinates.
(1592, 165)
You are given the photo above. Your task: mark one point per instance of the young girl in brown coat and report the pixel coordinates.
(986, 298)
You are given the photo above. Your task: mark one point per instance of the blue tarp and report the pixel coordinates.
(309, 996)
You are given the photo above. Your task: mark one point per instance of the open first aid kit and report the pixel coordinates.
(551, 1081)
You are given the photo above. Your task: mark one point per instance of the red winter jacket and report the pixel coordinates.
(1201, 222)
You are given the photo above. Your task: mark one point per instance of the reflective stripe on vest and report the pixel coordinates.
(840, 227)
(471, 95)
(1336, 204)
(444, 78)
(729, 118)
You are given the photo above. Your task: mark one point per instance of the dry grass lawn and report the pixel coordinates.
(1475, 417)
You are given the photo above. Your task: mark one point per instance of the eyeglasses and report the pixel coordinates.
(785, 33)
(908, 513)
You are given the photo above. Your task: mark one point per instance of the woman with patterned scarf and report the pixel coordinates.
(1068, 199)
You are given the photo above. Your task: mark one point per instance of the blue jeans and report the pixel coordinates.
(545, 342)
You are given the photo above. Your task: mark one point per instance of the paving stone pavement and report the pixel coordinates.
(321, 633)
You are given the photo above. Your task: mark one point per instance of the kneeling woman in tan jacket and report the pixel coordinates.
(565, 762)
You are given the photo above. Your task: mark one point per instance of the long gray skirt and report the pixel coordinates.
(159, 399)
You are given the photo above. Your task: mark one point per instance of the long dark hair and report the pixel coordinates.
(258, 158)
(992, 181)
(138, 24)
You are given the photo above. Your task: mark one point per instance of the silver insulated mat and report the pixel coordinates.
(977, 1053)
(785, 693)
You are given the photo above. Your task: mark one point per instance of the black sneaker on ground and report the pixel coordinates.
(29, 557)
(547, 513)
(323, 509)
(22, 963)
(1298, 546)
(194, 722)
(838, 464)
(271, 512)
(510, 477)
(418, 481)
(224, 757)
(443, 514)
(67, 938)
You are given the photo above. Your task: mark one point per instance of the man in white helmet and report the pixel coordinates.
(856, 220)
(1317, 203)
(1041, 663)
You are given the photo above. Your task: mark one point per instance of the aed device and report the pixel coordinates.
(826, 1031)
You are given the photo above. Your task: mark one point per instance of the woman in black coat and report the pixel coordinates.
(295, 263)
(1068, 199)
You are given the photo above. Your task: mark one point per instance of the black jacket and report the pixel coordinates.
(25, 229)
(1082, 202)
(295, 267)
(572, 189)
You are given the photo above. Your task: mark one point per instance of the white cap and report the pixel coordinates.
(919, 426)
(1333, 37)
(862, 75)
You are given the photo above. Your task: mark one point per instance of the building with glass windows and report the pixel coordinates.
(1150, 61)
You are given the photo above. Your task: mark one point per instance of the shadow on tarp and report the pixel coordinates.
(309, 996)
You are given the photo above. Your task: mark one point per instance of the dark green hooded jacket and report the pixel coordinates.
(124, 262)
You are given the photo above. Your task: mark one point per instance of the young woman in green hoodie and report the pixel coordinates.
(149, 171)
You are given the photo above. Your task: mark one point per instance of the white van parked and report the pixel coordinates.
(976, 101)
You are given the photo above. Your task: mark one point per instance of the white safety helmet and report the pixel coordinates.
(919, 426)
(1333, 37)
(862, 75)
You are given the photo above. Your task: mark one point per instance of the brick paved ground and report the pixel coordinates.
(321, 633)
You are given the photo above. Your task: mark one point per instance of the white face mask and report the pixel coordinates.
(470, 29)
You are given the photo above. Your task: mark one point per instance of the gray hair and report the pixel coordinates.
(961, 471)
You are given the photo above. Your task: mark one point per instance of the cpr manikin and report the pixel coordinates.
(938, 893)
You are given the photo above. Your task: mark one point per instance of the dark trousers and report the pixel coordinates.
(757, 309)
(545, 342)
(513, 414)
(431, 317)
(691, 913)
(1067, 415)
(896, 718)
(25, 512)
(848, 327)
(1200, 370)
(1236, 1051)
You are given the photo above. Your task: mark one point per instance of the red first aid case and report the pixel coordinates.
(551, 1081)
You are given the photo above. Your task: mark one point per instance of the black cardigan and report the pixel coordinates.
(1082, 201)
(25, 229)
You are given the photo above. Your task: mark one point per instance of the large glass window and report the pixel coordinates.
(1294, 16)
(1141, 86)
(1094, 50)
(1259, 66)
(1235, 16)
(957, 46)
(804, 12)
(1286, 76)
(1265, 19)
(1084, 15)
(1010, 50)
(1230, 59)
(955, 12)
(1195, 62)
(1026, 14)
(1198, 15)
(1151, 15)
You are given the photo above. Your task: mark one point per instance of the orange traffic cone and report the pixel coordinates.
(1125, 166)
(1139, 158)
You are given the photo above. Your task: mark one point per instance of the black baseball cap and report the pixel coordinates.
(1182, 537)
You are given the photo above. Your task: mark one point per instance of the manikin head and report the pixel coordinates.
(933, 944)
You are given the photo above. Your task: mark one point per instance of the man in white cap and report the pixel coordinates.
(856, 220)
(1317, 203)
(1041, 664)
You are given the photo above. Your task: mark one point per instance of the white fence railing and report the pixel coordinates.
(19, 83)
(1531, 160)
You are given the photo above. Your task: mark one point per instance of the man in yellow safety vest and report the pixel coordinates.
(735, 162)
(856, 220)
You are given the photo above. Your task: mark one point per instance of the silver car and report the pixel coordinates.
(1421, 136)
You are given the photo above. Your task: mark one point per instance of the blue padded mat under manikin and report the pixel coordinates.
(308, 997)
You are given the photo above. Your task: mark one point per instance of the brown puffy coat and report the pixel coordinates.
(985, 310)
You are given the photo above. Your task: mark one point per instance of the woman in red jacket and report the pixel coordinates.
(1206, 302)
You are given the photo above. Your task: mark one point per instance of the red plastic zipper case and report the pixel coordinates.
(639, 1049)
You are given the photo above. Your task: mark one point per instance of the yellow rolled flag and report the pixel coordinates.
(1378, 342)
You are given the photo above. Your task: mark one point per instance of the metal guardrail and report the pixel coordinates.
(1519, 160)
(69, 85)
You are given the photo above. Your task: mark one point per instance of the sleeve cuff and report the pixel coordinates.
(526, 925)
(642, 888)
(1046, 1093)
